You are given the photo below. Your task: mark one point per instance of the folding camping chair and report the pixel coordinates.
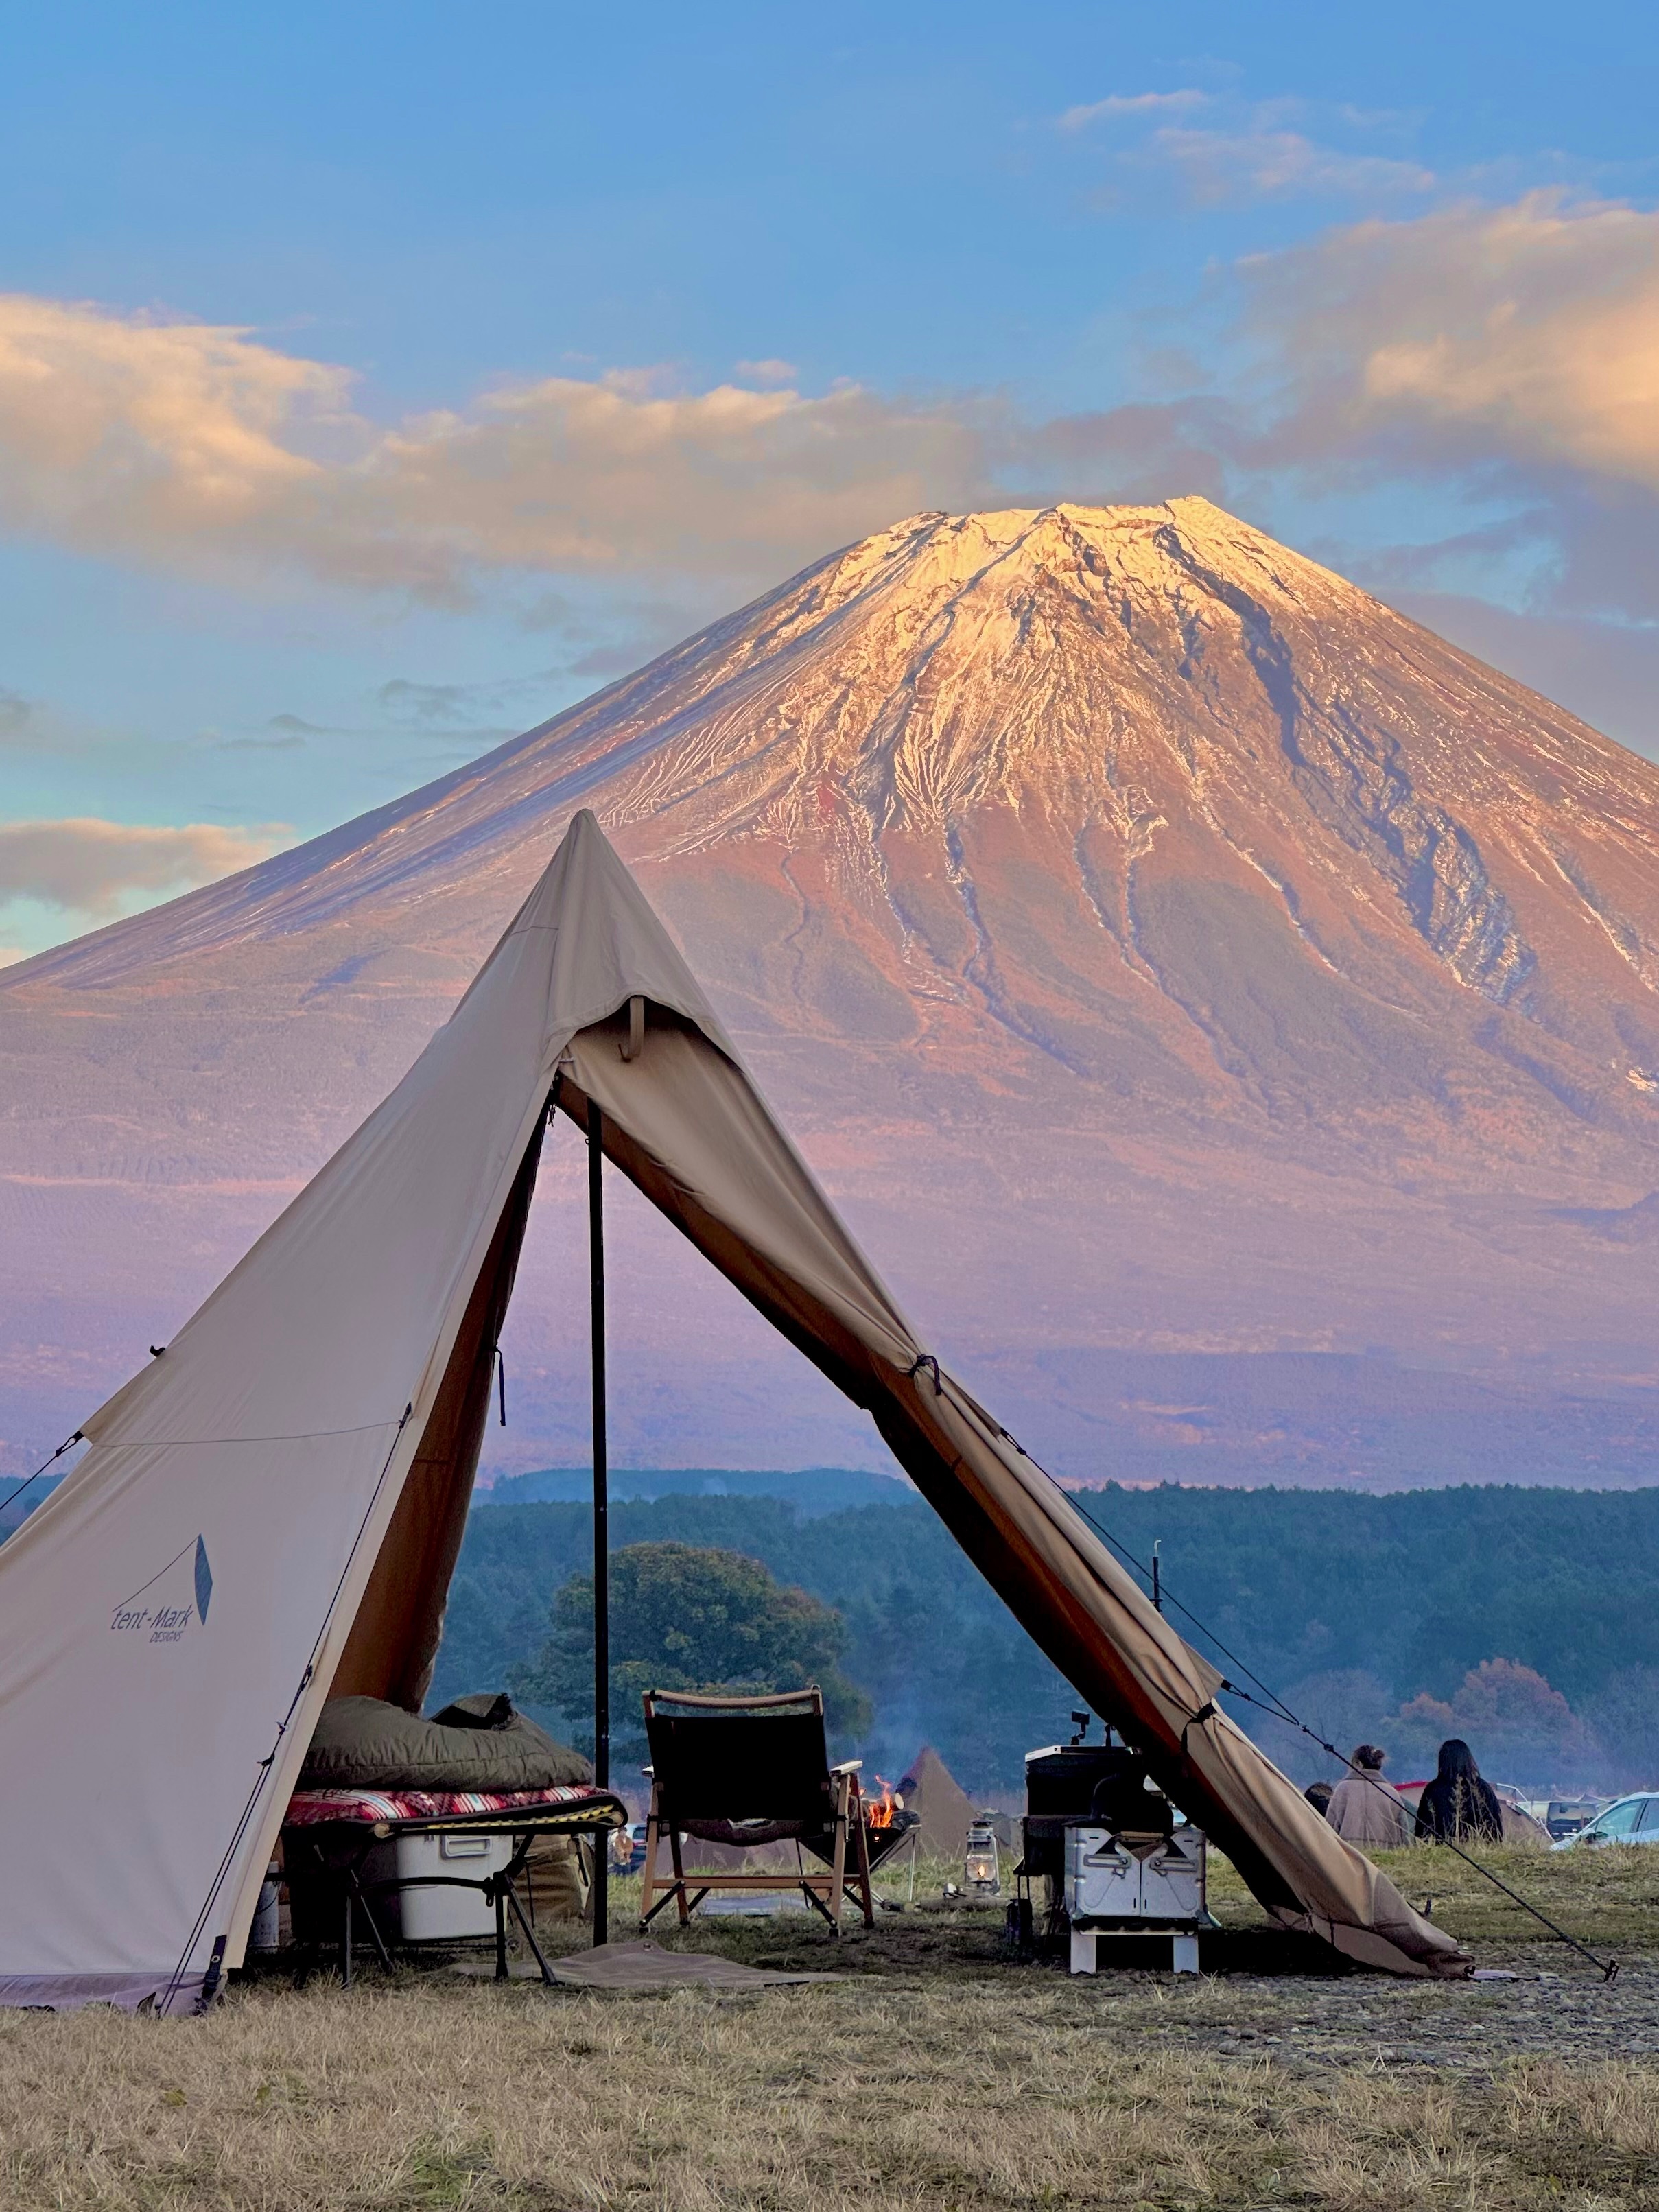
(743, 1772)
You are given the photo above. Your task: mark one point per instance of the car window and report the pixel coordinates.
(1649, 1823)
(1619, 1820)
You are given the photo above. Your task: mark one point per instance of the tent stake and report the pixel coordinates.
(601, 1513)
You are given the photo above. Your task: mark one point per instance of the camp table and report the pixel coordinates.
(332, 1832)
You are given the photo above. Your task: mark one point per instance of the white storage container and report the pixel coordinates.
(435, 1914)
(1106, 1881)
(1172, 1880)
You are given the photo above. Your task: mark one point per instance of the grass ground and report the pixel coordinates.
(938, 2074)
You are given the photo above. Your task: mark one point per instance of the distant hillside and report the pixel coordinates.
(812, 1491)
(1351, 1606)
(20, 1499)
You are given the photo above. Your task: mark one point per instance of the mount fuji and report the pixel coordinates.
(1228, 1014)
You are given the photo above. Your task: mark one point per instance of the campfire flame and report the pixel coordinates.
(878, 1811)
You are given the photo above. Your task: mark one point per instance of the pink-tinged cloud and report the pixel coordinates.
(1514, 350)
(186, 444)
(92, 867)
(1529, 333)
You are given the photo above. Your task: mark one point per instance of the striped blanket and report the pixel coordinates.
(314, 1808)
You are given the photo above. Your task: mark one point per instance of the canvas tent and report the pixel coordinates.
(933, 1793)
(269, 1512)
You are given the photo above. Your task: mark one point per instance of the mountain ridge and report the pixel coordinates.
(1154, 941)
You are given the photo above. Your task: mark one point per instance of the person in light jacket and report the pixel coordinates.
(1364, 1809)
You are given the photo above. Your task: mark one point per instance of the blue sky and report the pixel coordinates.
(374, 381)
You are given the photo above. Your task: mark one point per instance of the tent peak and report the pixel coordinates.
(611, 946)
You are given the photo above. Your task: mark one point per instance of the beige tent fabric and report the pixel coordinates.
(393, 1643)
(272, 1507)
(173, 1617)
(938, 1801)
(684, 1121)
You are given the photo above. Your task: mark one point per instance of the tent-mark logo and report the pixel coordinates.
(170, 1602)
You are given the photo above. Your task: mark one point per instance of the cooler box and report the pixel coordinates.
(435, 1914)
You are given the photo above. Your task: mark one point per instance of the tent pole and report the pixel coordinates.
(601, 1513)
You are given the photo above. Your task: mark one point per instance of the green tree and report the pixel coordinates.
(688, 1617)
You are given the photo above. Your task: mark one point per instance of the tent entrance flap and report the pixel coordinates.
(393, 1643)
(683, 1121)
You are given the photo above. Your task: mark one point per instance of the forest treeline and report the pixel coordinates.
(1525, 1618)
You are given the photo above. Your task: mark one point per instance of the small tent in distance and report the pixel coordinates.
(940, 1804)
(313, 1430)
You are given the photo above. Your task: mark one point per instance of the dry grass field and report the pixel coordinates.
(938, 2074)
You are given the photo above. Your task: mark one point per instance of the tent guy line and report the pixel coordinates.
(1277, 1708)
(67, 1444)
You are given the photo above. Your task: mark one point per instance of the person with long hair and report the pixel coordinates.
(1458, 1806)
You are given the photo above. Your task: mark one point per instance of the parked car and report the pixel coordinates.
(1565, 1816)
(1523, 1819)
(1632, 1819)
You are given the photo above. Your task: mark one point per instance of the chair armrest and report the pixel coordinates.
(847, 1766)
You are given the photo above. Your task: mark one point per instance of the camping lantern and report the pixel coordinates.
(981, 1874)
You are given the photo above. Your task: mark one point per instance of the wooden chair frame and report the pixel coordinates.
(850, 1863)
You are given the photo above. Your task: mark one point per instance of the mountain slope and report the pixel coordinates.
(1158, 943)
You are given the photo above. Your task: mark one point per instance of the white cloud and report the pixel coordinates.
(90, 867)
(183, 443)
(768, 372)
(1530, 332)
(1237, 151)
(1509, 350)
(1118, 104)
(113, 427)
(1217, 165)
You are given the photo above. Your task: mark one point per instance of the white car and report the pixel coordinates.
(1627, 1820)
